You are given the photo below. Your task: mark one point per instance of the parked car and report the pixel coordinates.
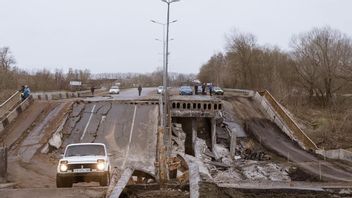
(186, 90)
(114, 90)
(218, 91)
(160, 89)
(83, 162)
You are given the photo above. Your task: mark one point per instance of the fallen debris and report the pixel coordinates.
(254, 170)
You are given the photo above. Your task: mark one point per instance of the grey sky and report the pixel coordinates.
(117, 36)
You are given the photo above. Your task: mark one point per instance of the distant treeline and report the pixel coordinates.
(318, 65)
(12, 77)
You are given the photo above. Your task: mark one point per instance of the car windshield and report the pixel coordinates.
(185, 88)
(114, 87)
(84, 150)
(160, 87)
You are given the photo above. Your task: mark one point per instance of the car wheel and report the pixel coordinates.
(104, 180)
(62, 182)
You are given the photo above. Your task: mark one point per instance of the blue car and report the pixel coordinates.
(186, 90)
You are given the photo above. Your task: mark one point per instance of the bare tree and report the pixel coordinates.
(241, 52)
(6, 59)
(320, 56)
(212, 71)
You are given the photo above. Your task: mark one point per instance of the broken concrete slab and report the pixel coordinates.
(236, 129)
(121, 183)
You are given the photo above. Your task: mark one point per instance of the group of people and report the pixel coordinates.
(204, 86)
(25, 92)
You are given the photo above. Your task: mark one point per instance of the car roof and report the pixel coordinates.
(79, 144)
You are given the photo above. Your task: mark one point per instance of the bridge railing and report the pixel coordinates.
(274, 109)
(9, 104)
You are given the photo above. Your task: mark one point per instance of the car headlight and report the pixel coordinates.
(63, 166)
(101, 164)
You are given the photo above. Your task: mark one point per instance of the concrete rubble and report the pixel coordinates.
(178, 138)
(249, 162)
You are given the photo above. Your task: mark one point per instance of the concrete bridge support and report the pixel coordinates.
(194, 136)
(213, 134)
(3, 164)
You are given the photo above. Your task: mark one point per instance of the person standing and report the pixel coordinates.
(196, 90)
(211, 89)
(92, 90)
(26, 92)
(203, 89)
(22, 92)
(139, 90)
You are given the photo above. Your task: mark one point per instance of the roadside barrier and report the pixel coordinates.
(10, 117)
(57, 95)
(279, 116)
(241, 92)
(10, 103)
(341, 154)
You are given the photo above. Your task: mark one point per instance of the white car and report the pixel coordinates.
(160, 90)
(83, 162)
(114, 90)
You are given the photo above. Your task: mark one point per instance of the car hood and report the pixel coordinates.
(83, 159)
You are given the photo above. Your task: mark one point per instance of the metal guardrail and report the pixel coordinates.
(10, 103)
(291, 124)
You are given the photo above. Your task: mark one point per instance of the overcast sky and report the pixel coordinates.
(117, 36)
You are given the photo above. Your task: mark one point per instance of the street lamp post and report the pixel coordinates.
(166, 113)
(165, 65)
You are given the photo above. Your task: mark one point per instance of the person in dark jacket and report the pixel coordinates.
(211, 89)
(92, 90)
(22, 92)
(139, 90)
(26, 92)
(196, 90)
(203, 89)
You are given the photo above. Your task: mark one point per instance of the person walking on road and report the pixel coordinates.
(92, 90)
(139, 90)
